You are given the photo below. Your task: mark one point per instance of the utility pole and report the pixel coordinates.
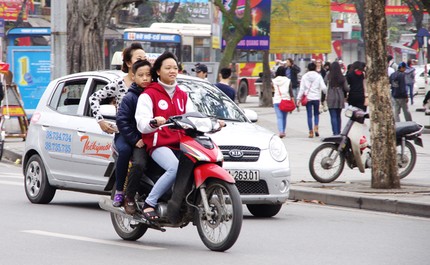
(58, 39)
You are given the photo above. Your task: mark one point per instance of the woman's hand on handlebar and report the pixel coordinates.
(158, 121)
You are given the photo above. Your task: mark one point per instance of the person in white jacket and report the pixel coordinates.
(311, 85)
(282, 90)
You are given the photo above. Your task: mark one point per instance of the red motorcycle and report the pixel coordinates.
(204, 194)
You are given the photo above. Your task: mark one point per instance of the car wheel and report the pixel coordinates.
(264, 210)
(37, 187)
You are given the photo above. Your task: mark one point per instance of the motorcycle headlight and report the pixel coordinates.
(277, 149)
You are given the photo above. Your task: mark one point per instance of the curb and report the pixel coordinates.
(11, 156)
(360, 201)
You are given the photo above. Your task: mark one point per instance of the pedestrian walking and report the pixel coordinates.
(292, 71)
(399, 93)
(390, 70)
(201, 71)
(357, 96)
(224, 83)
(311, 85)
(410, 80)
(321, 70)
(337, 89)
(282, 90)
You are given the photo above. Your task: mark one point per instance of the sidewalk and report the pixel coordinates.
(352, 188)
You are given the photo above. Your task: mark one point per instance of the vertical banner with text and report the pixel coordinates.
(300, 26)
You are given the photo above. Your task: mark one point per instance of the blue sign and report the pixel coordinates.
(31, 68)
(153, 37)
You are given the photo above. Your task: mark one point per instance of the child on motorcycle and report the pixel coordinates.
(127, 127)
(117, 89)
(160, 100)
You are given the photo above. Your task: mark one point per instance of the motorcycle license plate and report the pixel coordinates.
(245, 175)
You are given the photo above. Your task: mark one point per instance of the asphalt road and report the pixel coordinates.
(72, 229)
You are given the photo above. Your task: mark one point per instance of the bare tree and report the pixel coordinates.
(86, 23)
(384, 165)
(20, 17)
(416, 7)
(233, 29)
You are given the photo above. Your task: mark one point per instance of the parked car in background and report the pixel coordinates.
(66, 149)
(420, 86)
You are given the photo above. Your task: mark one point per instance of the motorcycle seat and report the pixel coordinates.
(407, 127)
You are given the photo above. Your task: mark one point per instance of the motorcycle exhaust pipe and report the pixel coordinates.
(106, 204)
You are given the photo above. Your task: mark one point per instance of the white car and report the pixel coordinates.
(420, 86)
(66, 149)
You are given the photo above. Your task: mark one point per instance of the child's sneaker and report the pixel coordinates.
(118, 199)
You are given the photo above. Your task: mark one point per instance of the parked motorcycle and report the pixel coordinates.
(204, 193)
(328, 160)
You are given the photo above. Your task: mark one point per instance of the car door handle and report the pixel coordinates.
(82, 131)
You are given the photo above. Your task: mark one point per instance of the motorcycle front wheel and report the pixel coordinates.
(125, 227)
(221, 230)
(323, 165)
(406, 162)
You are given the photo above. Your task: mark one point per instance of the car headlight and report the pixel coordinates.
(277, 149)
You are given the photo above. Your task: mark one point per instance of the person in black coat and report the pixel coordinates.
(129, 139)
(357, 92)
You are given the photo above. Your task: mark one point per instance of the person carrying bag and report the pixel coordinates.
(311, 86)
(283, 99)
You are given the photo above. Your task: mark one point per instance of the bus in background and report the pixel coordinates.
(248, 68)
(191, 43)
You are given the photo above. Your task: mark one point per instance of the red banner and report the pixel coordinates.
(4, 67)
(9, 9)
(337, 46)
(389, 10)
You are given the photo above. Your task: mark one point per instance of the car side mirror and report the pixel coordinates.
(251, 115)
(108, 111)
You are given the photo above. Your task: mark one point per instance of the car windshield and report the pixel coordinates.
(210, 101)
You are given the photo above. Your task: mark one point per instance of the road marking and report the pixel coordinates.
(11, 175)
(93, 240)
(11, 183)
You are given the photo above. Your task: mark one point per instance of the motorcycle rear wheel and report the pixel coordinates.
(125, 227)
(406, 163)
(220, 233)
(322, 166)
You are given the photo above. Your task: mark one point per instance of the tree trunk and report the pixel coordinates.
(86, 23)
(266, 96)
(384, 165)
(359, 7)
(233, 29)
(20, 17)
(416, 7)
(172, 13)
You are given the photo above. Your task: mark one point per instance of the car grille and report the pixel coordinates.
(250, 154)
(248, 187)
